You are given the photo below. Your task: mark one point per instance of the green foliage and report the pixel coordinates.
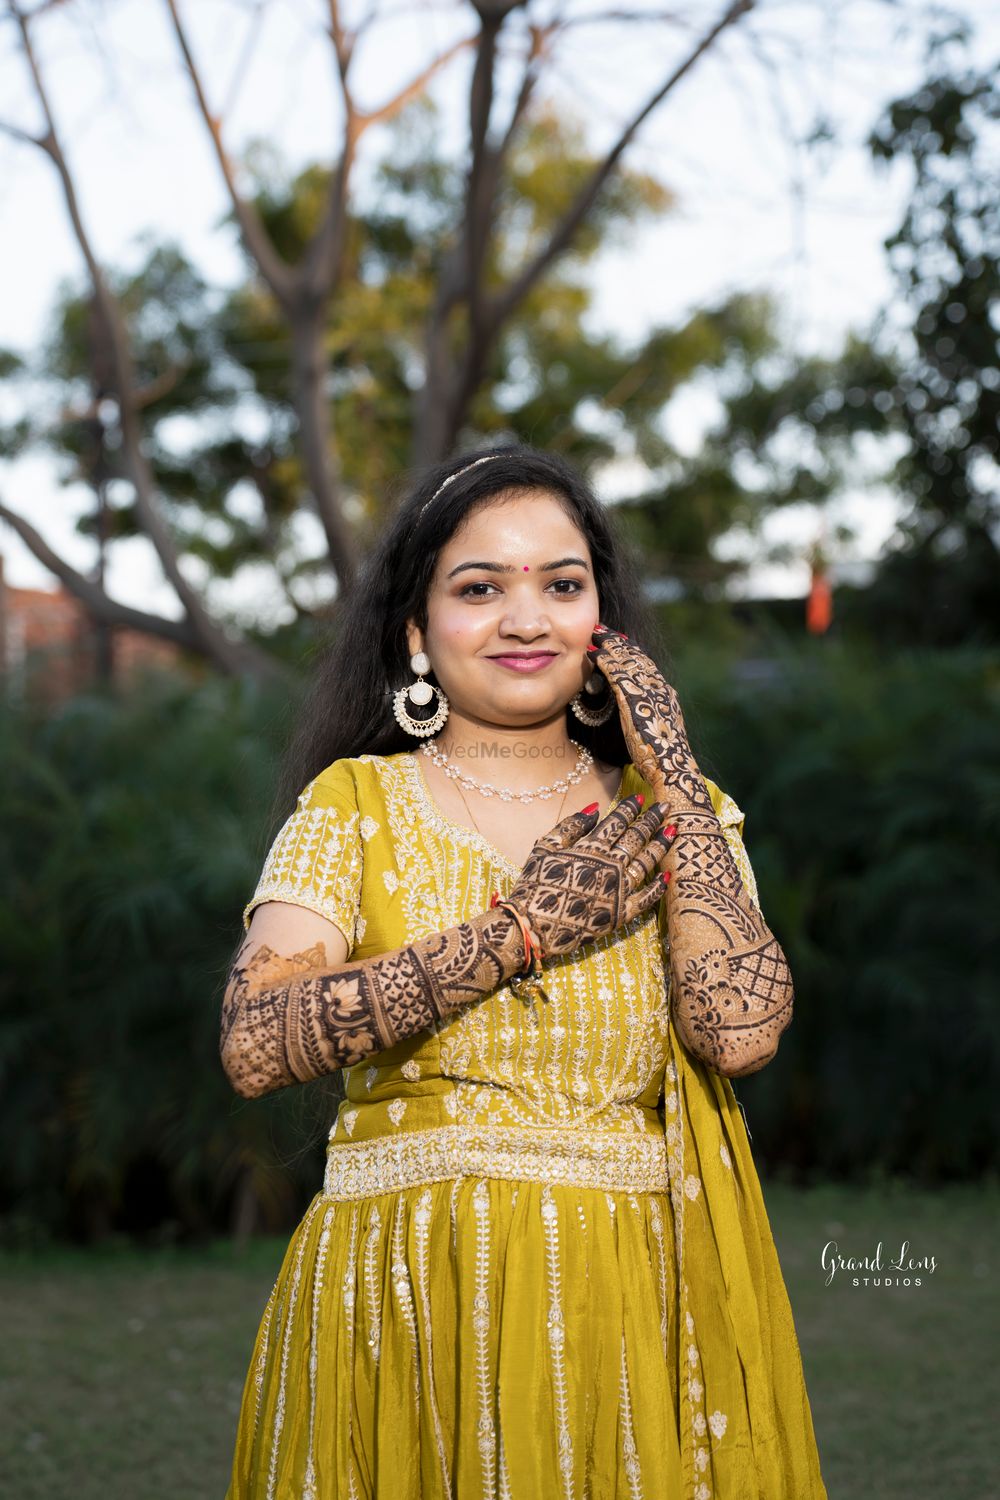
(872, 794)
(940, 581)
(133, 832)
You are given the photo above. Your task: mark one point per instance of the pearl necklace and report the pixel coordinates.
(584, 761)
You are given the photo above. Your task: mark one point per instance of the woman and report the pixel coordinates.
(540, 1265)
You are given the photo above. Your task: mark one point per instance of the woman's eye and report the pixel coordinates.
(568, 587)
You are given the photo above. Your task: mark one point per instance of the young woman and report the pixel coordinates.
(511, 909)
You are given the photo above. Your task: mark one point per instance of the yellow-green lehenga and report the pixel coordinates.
(540, 1263)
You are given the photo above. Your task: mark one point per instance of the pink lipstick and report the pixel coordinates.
(525, 661)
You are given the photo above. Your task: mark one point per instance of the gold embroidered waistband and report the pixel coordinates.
(579, 1158)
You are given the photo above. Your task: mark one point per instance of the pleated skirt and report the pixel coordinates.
(472, 1339)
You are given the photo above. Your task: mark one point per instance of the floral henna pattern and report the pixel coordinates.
(732, 988)
(289, 1020)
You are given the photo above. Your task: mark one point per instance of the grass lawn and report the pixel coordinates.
(121, 1372)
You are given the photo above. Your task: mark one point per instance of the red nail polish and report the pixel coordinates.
(670, 829)
(591, 648)
(586, 811)
(665, 877)
(494, 898)
(623, 633)
(639, 798)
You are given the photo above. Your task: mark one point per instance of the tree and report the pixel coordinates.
(940, 582)
(465, 318)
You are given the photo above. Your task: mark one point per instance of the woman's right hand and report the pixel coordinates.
(586, 878)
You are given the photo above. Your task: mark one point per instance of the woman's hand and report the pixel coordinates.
(652, 722)
(732, 991)
(584, 878)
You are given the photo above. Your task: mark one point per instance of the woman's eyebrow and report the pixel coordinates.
(495, 567)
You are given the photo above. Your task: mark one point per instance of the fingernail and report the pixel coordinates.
(639, 798)
(665, 877)
(591, 648)
(592, 808)
(670, 829)
(623, 633)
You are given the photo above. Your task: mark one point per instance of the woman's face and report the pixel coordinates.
(510, 611)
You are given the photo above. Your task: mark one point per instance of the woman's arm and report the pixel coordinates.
(732, 988)
(290, 1019)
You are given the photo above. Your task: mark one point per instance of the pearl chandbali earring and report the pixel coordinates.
(419, 693)
(592, 716)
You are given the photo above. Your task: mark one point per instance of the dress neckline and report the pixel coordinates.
(459, 832)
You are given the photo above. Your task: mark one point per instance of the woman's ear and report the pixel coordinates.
(414, 639)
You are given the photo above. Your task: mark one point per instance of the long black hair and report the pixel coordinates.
(347, 709)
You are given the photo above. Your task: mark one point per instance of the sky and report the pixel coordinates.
(754, 210)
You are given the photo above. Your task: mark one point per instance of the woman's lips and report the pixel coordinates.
(534, 662)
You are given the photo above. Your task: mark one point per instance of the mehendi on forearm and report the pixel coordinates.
(732, 991)
(289, 1020)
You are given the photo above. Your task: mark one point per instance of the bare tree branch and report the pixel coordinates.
(449, 385)
(302, 292)
(275, 271)
(414, 88)
(227, 654)
(504, 303)
(92, 595)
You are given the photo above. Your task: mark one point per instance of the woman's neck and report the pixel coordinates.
(517, 756)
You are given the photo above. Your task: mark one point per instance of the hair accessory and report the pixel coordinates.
(457, 474)
(420, 693)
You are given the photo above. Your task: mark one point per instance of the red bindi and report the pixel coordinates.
(526, 567)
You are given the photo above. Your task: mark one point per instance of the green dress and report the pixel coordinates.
(540, 1265)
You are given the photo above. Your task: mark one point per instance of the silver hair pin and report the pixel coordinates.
(457, 474)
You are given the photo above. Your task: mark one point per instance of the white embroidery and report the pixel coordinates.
(718, 1422)
(369, 828)
(349, 1117)
(391, 880)
(410, 1069)
(692, 1185)
(727, 1160)
(314, 861)
(396, 1109)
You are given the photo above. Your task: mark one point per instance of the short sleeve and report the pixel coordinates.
(731, 819)
(316, 858)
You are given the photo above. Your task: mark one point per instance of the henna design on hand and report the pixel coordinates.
(584, 879)
(289, 1020)
(732, 988)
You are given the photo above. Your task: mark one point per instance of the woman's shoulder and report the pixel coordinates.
(356, 780)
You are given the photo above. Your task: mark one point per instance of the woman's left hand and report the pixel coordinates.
(652, 721)
(732, 990)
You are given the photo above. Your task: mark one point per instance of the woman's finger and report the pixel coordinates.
(647, 899)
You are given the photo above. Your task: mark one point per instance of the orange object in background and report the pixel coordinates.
(819, 605)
